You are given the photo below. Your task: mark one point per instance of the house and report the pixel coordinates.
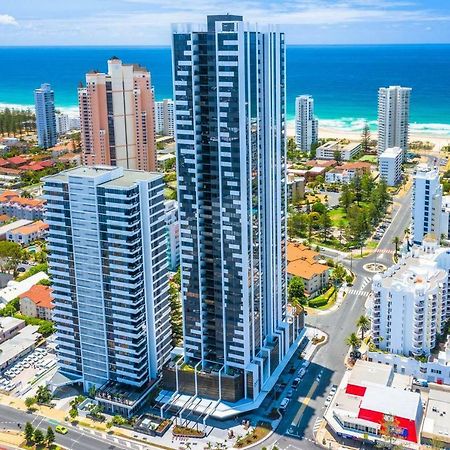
(346, 150)
(71, 158)
(5, 229)
(307, 265)
(37, 302)
(16, 288)
(17, 161)
(28, 233)
(347, 172)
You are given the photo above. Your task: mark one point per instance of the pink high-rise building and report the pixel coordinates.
(117, 117)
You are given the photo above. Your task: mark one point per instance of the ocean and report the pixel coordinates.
(343, 79)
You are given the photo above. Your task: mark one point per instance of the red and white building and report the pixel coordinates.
(373, 402)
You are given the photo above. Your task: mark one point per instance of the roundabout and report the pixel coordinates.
(374, 267)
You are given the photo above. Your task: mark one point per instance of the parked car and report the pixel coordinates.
(296, 382)
(284, 403)
(61, 429)
(301, 373)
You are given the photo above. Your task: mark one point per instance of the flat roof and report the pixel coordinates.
(16, 288)
(366, 373)
(437, 415)
(389, 400)
(124, 177)
(12, 347)
(7, 323)
(13, 225)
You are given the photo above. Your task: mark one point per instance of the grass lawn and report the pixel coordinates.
(368, 158)
(338, 215)
(371, 244)
(260, 432)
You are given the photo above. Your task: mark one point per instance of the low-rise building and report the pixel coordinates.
(18, 346)
(436, 423)
(346, 150)
(15, 289)
(433, 369)
(9, 327)
(5, 229)
(37, 302)
(28, 233)
(307, 264)
(374, 404)
(13, 204)
(295, 188)
(347, 172)
(390, 165)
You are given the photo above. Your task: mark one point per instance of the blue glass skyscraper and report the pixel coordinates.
(44, 101)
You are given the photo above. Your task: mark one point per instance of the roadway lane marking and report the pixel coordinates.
(359, 292)
(317, 424)
(305, 403)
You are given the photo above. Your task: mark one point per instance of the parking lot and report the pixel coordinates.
(15, 379)
(382, 227)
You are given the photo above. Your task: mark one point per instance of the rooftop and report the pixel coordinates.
(40, 295)
(367, 373)
(391, 152)
(16, 288)
(340, 145)
(34, 227)
(392, 401)
(17, 344)
(303, 262)
(13, 225)
(436, 422)
(7, 323)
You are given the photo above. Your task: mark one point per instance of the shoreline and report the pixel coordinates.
(340, 128)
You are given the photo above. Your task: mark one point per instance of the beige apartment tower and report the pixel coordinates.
(117, 117)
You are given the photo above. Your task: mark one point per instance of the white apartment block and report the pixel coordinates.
(390, 165)
(62, 123)
(346, 150)
(306, 124)
(426, 207)
(410, 301)
(164, 119)
(445, 218)
(173, 233)
(108, 263)
(393, 118)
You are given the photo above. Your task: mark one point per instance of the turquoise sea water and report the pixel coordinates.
(343, 79)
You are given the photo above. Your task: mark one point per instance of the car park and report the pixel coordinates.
(284, 403)
(290, 393)
(301, 373)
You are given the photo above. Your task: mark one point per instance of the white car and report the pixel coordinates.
(284, 403)
(301, 373)
(26, 365)
(328, 400)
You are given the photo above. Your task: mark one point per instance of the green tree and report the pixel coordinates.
(396, 241)
(296, 289)
(365, 138)
(363, 323)
(73, 412)
(346, 198)
(29, 432)
(11, 255)
(353, 341)
(29, 402)
(325, 224)
(38, 437)
(50, 436)
(337, 155)
(339, 273)
(297, 224)
(43, 394)
(92, 391)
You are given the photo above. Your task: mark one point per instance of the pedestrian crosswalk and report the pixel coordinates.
(384, 250)
(365, 282)
(359, 292)
(317, 425)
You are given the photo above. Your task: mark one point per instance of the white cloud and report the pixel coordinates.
(6, 19)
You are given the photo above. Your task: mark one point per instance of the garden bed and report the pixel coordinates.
(188, 432)
(259, 433)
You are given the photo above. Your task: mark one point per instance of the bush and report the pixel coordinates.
(317, 302)
(34, 270)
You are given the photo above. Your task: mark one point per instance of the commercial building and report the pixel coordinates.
(173, 234)
(346, 150)
(374, 404)
(232, 208)
(390, 165)
(28, 233)
(164, 119)
(436, 424)
(410, 304)
(306, 123)
(295, 188)
(37, 302)
(307, 265)
(426, 207)
(116, 115)
(10, 327)
(108, 263)
(44, 102)
(393, 118)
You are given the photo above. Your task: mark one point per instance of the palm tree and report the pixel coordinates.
(353, 341)
(363, 322)
(396, 241)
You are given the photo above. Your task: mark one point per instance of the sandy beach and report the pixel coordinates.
(339, 133)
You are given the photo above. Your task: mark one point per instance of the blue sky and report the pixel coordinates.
(147, 22)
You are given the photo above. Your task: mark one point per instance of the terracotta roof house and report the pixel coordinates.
(304, 263)
(28, 233)
(37, 302)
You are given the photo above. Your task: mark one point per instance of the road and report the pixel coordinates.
(307, 407)
(75, 439)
